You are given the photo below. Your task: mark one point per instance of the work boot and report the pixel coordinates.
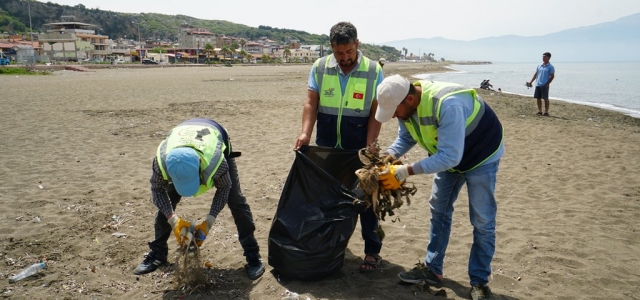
(255, 267)
(150, 263)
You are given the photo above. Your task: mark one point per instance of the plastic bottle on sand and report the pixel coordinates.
(30, 270)
(289, 295)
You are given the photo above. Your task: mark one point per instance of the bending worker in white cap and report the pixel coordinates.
(464, 139)
(196, 156)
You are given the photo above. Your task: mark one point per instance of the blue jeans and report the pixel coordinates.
(481, 184)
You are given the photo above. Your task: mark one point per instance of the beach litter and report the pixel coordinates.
(382, 200)
(190, 276)
(289, 295)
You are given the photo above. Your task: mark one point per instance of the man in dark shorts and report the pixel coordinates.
(544, 76)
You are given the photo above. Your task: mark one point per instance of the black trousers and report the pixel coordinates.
(240, 211)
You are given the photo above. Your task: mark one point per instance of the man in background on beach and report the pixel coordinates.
(195, 157)
(464, 139)
(341, 98)
(544, 76)
(486, 85)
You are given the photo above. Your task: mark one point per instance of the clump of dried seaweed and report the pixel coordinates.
(382, 200)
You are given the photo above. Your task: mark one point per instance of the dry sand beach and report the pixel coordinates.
(76, 161)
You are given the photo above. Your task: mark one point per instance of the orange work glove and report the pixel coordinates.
(180, 228)
(202, 230)
(393, 177)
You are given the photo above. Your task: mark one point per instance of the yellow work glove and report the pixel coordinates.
(202, 230)
(180, 228)
(393, 176)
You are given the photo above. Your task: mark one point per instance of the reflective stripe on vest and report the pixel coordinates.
(360, 89)
(358, 95)
(433, 95)
(205, 139)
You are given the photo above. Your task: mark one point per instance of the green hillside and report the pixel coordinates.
(14, 19)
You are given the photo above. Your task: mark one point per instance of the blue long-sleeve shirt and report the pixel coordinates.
(451, 135)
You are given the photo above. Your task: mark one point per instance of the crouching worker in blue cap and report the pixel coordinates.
(196, 156)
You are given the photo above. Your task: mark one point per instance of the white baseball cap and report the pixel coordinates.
(391, 91)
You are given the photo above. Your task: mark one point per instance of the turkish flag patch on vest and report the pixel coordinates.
(359, 96)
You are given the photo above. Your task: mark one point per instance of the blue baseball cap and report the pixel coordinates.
(183, 166)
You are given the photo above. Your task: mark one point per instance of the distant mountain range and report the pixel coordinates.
(611, 41)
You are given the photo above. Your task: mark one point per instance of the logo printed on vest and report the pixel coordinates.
(359, 96)
(190, 137)
(202, 133)
(329, 92)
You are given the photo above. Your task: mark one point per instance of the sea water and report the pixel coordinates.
(608, 85)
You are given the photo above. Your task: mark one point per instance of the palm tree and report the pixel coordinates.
(234, 47)
(224, 51)
(208, 49)
(231, 51)
(242, 43)
(405, 50)
(286, 53)
(243, 53)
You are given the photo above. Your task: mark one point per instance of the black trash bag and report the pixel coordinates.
(316, 214)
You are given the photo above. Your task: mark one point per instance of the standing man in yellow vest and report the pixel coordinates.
(464, 139)
(341, 98)
(195, 157)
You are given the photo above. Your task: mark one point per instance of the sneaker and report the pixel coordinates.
(420, 274)
(481, 292)
(150, 263)
(255, 269)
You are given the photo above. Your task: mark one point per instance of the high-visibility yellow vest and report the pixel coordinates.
(205, 139)
(348, 113)
(482, 127)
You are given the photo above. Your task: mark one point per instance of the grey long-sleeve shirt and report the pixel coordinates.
(221, 181)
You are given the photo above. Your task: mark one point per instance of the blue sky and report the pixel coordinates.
(381, 21)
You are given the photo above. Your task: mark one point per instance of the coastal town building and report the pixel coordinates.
(17, 48)
(192, 37)
(254, 48)
(69, 40)
(73, 41)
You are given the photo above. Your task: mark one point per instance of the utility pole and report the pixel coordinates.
(140, 47)
(30, 27)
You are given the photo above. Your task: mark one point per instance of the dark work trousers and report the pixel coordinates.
(240, 211)
(369, 224)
